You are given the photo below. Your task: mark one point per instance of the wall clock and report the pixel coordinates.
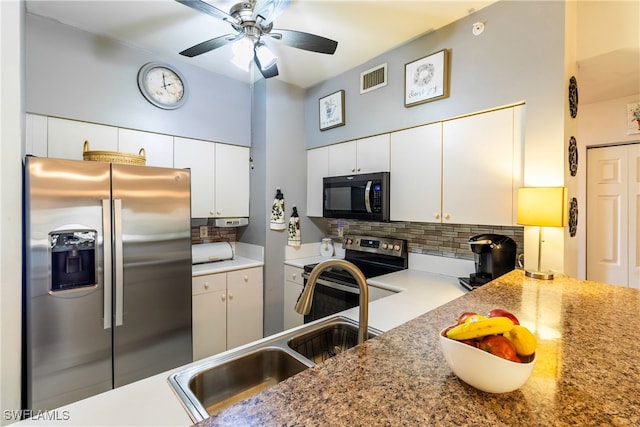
(162, 85)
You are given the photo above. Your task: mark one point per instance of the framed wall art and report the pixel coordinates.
(633, 118)
(332, 110)
(426, 79)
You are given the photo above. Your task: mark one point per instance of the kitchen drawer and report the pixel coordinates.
(209, 283)
(293, 274)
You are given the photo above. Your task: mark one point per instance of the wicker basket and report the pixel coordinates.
(113, 156)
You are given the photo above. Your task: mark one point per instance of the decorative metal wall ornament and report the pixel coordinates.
(573, 156)
(573, 217)
(573, 97)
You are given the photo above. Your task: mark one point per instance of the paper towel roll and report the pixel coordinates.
(210, 252)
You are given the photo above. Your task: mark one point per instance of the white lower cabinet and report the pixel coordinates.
(227, 311)
(293, 284)
(209, 313)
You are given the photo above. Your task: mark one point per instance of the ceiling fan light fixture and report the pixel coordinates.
(266, 57)
(242, 53)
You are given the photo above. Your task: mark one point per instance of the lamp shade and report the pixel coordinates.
(542, 206)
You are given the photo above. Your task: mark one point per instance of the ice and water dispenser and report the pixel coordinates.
(73, 259)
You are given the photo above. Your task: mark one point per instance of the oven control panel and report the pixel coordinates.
(381, 245)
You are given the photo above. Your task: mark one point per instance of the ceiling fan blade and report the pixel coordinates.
(209, 45)
(269, 10)
(269, 72)
(305, 41)
(203, 7)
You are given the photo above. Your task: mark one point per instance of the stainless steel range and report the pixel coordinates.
(336, 290)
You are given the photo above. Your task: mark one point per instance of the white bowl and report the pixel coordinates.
(483, 370)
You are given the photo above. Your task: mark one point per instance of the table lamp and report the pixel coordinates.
(542, 207)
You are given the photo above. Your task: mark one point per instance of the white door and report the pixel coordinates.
(373, 154)
(199, 156)
(612, 215)
(244, 306)
(231, 181)
(416, 174)
(478, 169)
(342, 158)
(66, 138)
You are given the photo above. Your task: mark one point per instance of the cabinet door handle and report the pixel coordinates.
(447, 216)
(206, 286)
(212, 212)
(246, 278)
(293, 276)
(436, 215)
(230, 296)
(223, 298)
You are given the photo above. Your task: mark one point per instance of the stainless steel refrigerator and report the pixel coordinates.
(107, 289)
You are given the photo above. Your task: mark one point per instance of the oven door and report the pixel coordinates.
(330, 298)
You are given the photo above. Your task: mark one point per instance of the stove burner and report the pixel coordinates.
(374, 256)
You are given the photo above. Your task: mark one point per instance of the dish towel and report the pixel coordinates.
(294, 228)
(277, 212)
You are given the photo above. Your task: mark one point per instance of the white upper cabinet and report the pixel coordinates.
(360, 156)
(219, 177)
(416, 173)
(66, 138)
(461, 171)
(480, 168)
(36, 135)
(373, 154)
(199, 156)
(158, 148)
(231, 181)
(317, 168)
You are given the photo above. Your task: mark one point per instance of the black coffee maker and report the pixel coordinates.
(494, 255)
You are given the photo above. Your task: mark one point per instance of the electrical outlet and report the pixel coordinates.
(204, 231)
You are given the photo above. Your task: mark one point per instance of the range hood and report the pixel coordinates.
(230, 222)
(220, 222)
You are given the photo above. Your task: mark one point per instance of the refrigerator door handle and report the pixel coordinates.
(118, 264)
(106, 249)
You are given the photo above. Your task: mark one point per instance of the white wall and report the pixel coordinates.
(601, 123)
(73, 74)
(11, 141)
(286, 168)
(520, 56)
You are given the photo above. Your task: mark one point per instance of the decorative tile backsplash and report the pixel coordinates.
(214, 234)
(447, 240)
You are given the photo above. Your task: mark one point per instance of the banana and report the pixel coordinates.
(480, 328)
(523, 340)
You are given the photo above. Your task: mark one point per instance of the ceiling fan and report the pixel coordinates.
(253, 19)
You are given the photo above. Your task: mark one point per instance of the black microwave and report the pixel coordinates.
(364, 196)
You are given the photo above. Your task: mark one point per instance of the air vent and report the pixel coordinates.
(373, 78)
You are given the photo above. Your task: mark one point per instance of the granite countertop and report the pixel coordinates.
(587, 370)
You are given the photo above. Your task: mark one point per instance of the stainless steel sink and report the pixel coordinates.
(324, 342)
(231, 382)
(213, 384)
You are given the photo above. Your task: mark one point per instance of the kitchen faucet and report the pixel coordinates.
(303, 306)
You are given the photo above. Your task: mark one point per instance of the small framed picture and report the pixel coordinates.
(332, 110)
(633, 118)
(426, 79)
